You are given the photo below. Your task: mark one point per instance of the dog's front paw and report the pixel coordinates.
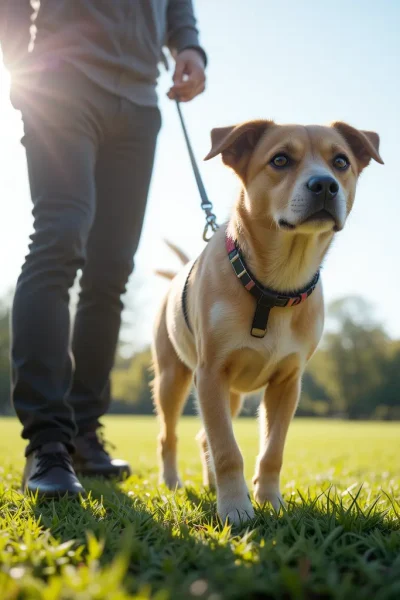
(171, 480)
(236, 511)
(268, 492)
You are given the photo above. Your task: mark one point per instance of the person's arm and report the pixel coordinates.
(182, 28)
(183, 42)
(15, 23)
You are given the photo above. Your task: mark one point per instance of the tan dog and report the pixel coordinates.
(298, 189)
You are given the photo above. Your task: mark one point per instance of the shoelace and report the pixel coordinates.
(46, 462)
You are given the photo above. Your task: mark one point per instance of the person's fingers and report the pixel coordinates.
(185, 88)
(200, 89)
(178, 91)
(187, 97)
(190, 83)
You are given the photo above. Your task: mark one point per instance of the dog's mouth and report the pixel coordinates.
(320, 217)
(286, 225)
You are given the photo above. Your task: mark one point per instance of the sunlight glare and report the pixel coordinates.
(4, 97)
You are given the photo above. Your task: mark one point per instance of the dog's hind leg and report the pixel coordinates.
(170, 390)
(206, 460)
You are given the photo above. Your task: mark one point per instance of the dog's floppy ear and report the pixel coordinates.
(364, 144)
(236, 143)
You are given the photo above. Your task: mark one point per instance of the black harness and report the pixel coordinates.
(184, 298)
(266, 298)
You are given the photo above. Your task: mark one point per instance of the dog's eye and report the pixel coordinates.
(341, 162)
(279, 161)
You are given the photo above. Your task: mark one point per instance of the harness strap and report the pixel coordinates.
(185, 299)
(266, 298)
(260, 319)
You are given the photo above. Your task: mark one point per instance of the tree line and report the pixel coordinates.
(355, 373)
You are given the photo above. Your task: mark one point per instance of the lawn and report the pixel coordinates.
(339, 537)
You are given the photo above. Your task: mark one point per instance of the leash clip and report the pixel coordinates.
(211, 223)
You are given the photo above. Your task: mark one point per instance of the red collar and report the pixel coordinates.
(266, 298)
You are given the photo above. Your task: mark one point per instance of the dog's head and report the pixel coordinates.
(296, 178)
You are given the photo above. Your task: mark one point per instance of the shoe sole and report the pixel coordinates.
(55, 495)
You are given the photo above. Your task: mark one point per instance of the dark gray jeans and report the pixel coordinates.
(90, 157)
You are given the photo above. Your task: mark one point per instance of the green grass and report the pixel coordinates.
(339, 538)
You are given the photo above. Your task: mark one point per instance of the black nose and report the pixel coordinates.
(323, 186)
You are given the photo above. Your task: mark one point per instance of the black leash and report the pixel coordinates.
(206, 205)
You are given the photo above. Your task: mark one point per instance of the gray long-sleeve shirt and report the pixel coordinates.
(116, 43)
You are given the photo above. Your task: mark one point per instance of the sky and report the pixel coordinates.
(308, 62)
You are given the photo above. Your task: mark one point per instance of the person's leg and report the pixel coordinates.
(123, 176)
(61, 147)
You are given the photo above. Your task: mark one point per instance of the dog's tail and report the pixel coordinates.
(180, 254)
(165, 274)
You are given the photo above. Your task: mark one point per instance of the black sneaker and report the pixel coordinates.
(49, 472)
(91, 459)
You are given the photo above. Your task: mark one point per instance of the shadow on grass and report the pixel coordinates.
(176, 544)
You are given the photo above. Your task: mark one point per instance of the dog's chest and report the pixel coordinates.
(253, 361)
